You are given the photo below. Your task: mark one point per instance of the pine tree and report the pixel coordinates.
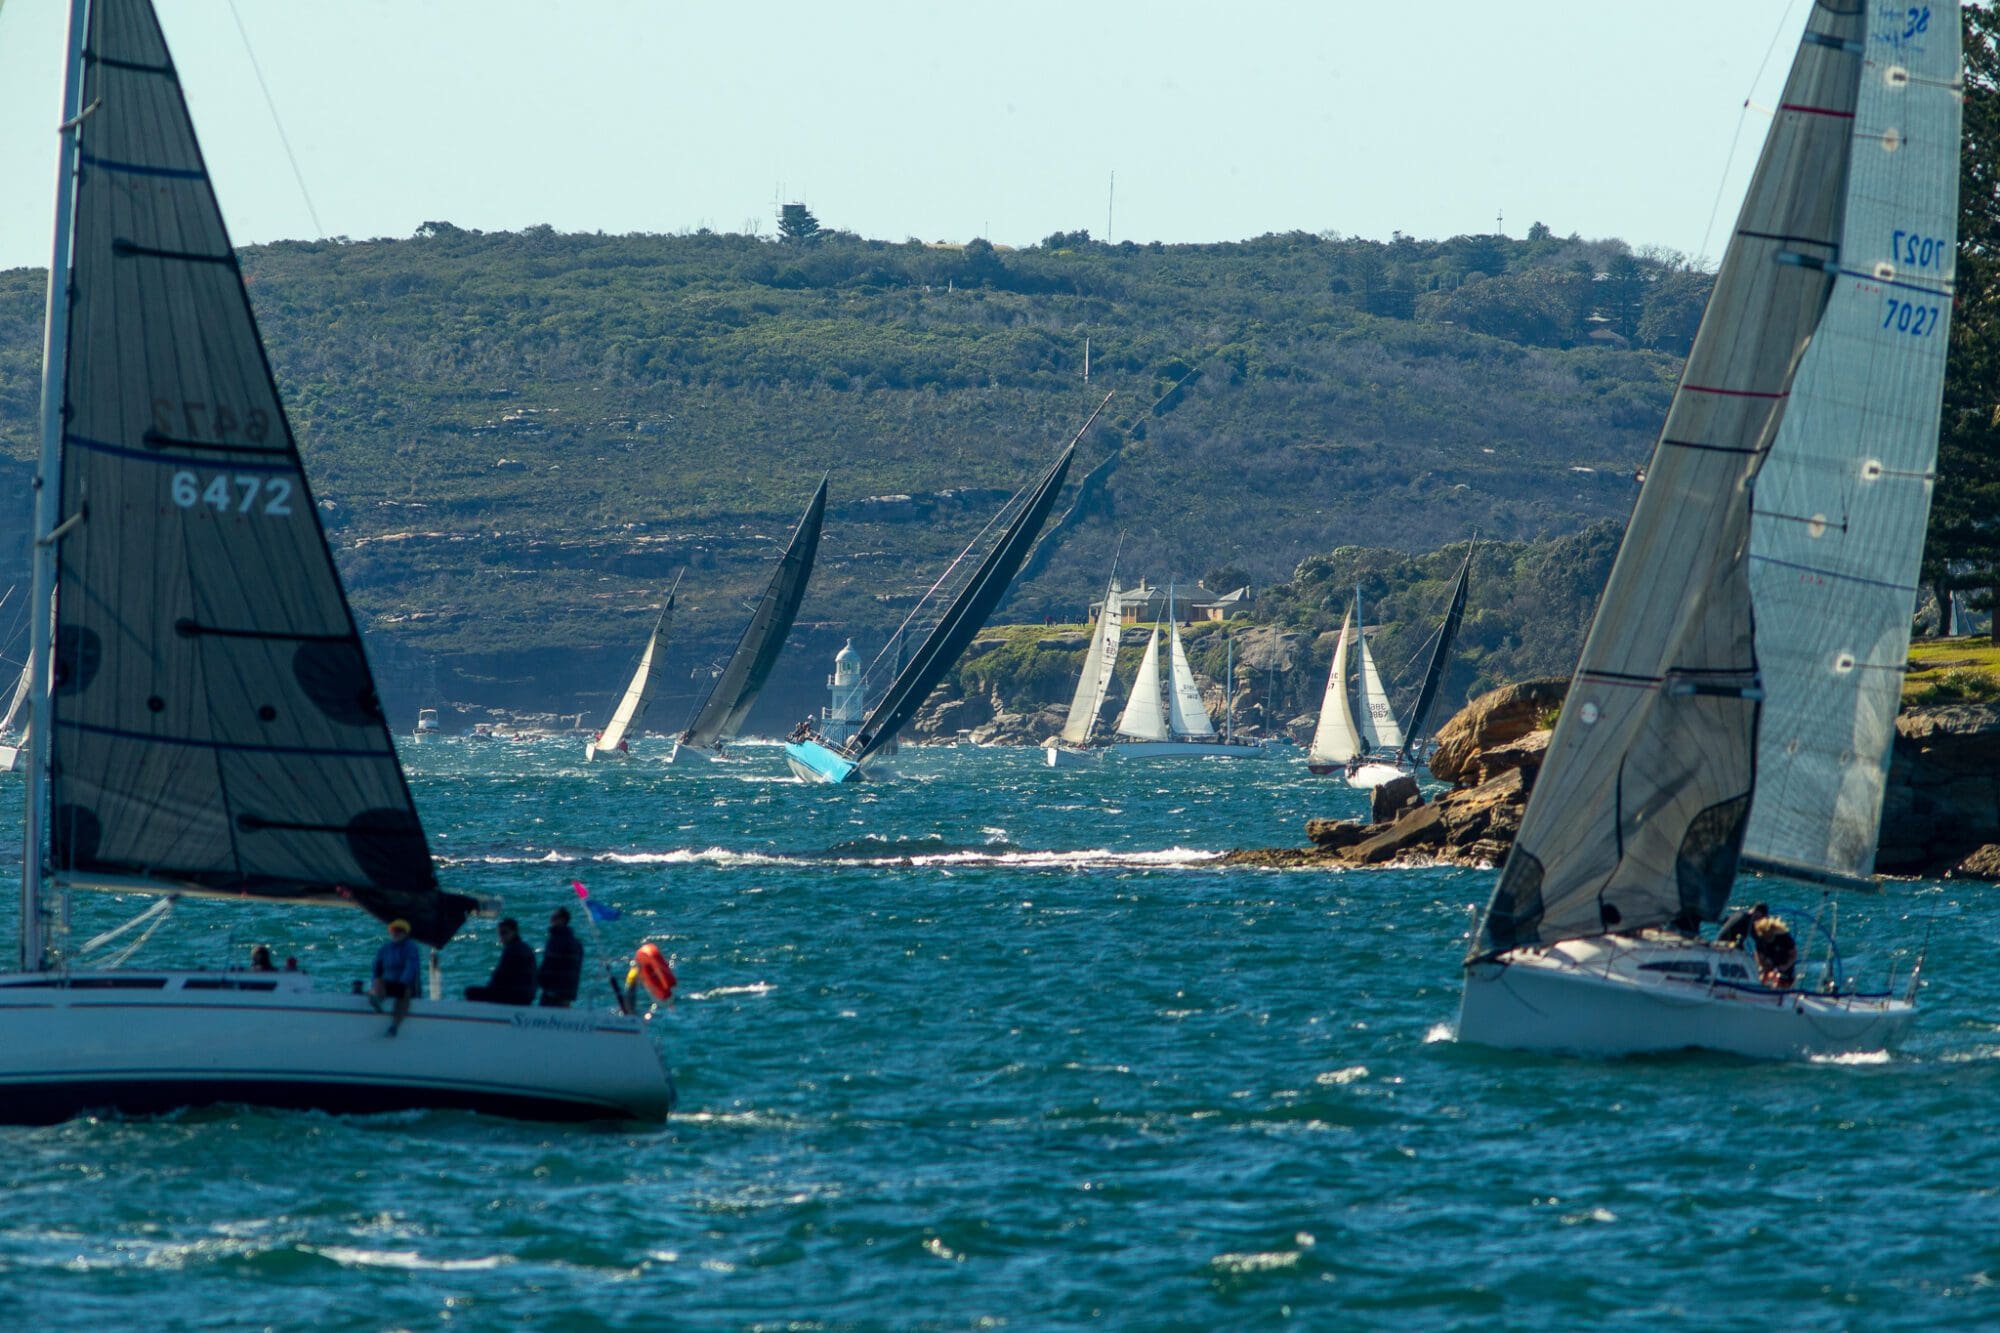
(797, 225)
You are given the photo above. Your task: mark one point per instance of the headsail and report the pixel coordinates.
(1335, 740)
(1638, 816)
(1098, 662)
(1440, 658)
(1187, 715)
(1145, 718)
(14, 704)
(215, 724)
(1378, 718)
(1842, 500)
(735, 692)
(638, 696)
(967, 613)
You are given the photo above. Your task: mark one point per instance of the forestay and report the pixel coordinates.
(1440, 657)
(1841, 502)
(1186, 714)
(735, 692)
(1638, 816)
(1335, 741)
(1144, 718)
(215, 725)
(638, 696)
(1098, 662)
(1378, 719)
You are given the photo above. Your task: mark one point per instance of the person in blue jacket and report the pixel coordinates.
(562, 962)
(513, 979)
(398, 969)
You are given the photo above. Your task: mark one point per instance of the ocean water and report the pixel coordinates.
(996, 1047)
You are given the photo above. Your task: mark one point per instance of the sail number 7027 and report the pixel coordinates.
(1919, 321)
(238, 492)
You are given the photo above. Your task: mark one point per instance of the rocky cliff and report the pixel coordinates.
(1940, 816)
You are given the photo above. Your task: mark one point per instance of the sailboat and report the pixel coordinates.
(1072, 749)
(203, 721)
(614, 741)
(1182, 729)
(819, 758)
(1361, 752)
(11, 754)
(1736, 697)
(721, 715)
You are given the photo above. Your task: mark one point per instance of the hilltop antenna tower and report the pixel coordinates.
(1110, 194)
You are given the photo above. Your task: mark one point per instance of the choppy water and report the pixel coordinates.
(1001, 1047)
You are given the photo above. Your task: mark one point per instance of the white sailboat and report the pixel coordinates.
(203, 721)
(1182, 729)
(720, 717)
(1379, 749)
(1073, 749)
(614, 741)
(1792, 478)
(10, 754)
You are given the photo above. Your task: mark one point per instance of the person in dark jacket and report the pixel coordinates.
(513, 979)
(562, 962)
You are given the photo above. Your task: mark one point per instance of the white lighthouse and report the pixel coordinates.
(841, 718)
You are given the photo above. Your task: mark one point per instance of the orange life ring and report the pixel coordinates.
(654, 971)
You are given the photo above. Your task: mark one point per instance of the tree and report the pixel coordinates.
(797, 225)
(1963, 546)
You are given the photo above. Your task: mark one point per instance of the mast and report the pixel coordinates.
(48, 491)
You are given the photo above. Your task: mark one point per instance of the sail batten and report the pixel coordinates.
(1378, 718)
(1639, 812)
(1335, 740)
(255, 761)
(1440, 656)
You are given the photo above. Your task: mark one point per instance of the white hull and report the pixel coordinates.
(1064, 756)
(1216, 749)
(1370, 776)
(691, 754)
(146, 1042)
(591, 753)
(1615, 995)
(9, 756)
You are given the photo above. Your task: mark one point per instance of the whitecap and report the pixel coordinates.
(349, 1256)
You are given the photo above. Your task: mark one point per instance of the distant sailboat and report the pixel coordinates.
(1379, 750)
(614, 741)
(721, 715)
(1792, 479)
(818, 758)
(204, 723)
(1073, 747)
(10, 754)
(1182, 729)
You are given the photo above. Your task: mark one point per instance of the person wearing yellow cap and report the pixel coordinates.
(398, 966)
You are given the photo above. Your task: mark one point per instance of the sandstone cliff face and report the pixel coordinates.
(1940, 815)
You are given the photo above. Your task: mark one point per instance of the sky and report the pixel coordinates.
(1137, 119)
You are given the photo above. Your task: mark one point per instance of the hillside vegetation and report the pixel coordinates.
(517, 439)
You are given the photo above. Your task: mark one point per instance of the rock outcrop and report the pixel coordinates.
(1940, 813)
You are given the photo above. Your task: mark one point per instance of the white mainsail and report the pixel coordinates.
(1144, 719)
(1187, 715)
(1097, 664)
(1841, 502)
(1639, 813)
(1378, 719)
(632, 706)
(1335, 741)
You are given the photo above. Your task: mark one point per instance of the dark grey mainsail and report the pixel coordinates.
(735, 691)
(1638, 816)
(1440, 657)
(215, 724)
(965, 616)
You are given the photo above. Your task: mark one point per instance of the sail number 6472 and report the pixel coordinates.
(235, 491)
